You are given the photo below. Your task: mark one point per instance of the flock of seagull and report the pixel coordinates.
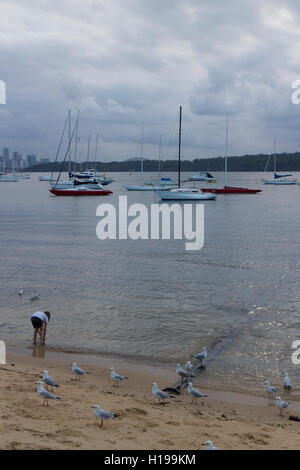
(272, 391)
(104, 415)
(185, 375)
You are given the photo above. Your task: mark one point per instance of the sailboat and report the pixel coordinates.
(229, 189)
(179, 193)
(278, 180)
(90, 174)
(73, 188)
(164, 183)
(203, 177)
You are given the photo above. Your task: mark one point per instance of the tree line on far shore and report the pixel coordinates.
(285, 162)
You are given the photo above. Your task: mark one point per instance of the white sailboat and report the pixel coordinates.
(163, 183)
(278, 180)
(183, 194)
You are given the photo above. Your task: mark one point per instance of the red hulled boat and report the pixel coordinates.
(230, 190)
(80, 192)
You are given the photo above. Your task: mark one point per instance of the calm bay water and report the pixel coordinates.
(152, 300)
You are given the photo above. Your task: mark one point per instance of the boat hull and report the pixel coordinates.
(80, 192)
(170, 196)
(279, 183)
(230, 190)
(149, 187)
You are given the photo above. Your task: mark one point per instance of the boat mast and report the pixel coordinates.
(88, 152)
(142, 152)
(69, 113)
(159, 158)
(76, 140)
(275, 152)
(96, 149)
(179, 145)
(226, 156)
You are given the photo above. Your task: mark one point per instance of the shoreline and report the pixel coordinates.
(232, 420)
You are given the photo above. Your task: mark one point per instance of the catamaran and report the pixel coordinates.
(179, 193)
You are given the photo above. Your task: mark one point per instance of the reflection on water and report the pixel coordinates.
(152, 300)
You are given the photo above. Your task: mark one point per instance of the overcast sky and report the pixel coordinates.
(128, 62)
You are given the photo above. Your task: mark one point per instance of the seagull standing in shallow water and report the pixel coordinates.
(201, 356)
(77, 371)
(33, 297)
(281, 405)
(160, 394)
(45, 394)
(195, 393)
(287, 384)
(102, 414)
(117, 378)
(270, 390)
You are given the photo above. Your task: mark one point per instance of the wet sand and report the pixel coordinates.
(231, 420)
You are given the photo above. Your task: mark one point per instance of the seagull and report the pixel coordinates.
(210, 446)
(202, 355)
(102, 414)
(270, 390)
(188, 365)
(77, 371)
(116, 377)
(21, 292)
(287, 382)
(160, 394)
(45, 394)
(281, 405)
(33, 297)
(48, 380)
(183, 373)
(195, 393)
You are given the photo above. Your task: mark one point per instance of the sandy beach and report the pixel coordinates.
(231, 421)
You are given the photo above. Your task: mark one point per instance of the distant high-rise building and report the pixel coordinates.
(17, 158)
(5, 155)
(31, 160)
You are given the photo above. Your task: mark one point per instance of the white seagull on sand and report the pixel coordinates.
(48, 381)
(162, 396)
(45, 394)
(195, 393)
(117, 378)
(201, 356)
(210, 446)
(21, 292)
(102, 414)
(281, 405)
(189, 365)
(77, 371)
(287, 384)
